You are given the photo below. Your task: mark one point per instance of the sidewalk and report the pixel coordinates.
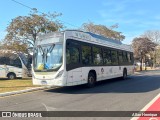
(143, 71)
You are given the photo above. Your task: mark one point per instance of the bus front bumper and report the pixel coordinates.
(49, 82)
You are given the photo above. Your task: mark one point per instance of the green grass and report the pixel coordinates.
(14, 85)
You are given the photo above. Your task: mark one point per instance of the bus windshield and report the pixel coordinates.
(47, 58)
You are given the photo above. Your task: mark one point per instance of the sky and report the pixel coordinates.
(134, 17)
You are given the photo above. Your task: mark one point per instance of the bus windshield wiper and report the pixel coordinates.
(45, 51)
(49, 50)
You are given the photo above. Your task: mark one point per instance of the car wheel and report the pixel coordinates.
(11, 76)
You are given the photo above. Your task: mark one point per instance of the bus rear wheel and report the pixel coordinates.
(11, 76)
(91, 80)
(124, 74)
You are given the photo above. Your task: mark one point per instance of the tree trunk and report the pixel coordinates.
(155, 57)
(145, 63)
(141, 63)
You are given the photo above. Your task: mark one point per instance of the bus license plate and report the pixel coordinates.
(44, 82)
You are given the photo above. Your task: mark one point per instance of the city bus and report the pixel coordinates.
(74, 57)
(13, 65)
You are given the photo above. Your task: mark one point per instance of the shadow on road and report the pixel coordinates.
(134, 84)
(4, 79)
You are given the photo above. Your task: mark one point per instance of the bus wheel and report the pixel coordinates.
(91, 80)
(124, 74)
(11, 76)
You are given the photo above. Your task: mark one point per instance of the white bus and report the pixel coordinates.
(75, 57)
(13, 65)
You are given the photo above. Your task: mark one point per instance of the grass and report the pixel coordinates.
(14, 85)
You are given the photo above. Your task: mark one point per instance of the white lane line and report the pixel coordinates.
(148, 105)
(151, 102)
(48, 108)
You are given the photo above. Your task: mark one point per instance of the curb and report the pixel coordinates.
(23, 91)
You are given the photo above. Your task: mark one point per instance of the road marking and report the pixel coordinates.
(151, 102)
(49, 108)
(153, 105)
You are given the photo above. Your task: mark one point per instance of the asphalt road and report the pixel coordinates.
(110, 95)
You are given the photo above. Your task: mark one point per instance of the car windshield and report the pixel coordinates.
(47, 57)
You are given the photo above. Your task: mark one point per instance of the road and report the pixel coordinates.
(110, 95)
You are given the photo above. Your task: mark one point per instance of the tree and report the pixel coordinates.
(142, 46)
(1, 45)
(103, 30)
(15, 46)
(26, 29)
(154, 35)
(158, 55)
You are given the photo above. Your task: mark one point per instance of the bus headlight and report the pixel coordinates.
(59, 74)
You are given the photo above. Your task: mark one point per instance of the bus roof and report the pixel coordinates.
(87, 37)
(104, 38)
(99, 39)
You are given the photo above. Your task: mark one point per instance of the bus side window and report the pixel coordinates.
(132, 59)
(97, 56)
(2, 60)
(129, 57)
(120, 57)
(114, 57)
(107, 57)
(17, 63)
(68, 57)
(125, 59)
(86, 55)
(72, 55)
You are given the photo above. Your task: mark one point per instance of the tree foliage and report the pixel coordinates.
(153, 35)
(158, 55)
(142, 46)
(15, 46)
(27, 28)
(103, 30)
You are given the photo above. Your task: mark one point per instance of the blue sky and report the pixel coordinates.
(133, 16)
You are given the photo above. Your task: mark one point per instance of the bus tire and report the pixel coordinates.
(124, 74)
(91, 80)
(11, 76)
